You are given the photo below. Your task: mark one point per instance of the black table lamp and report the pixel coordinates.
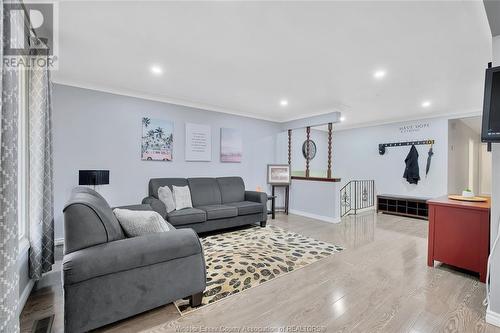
(93, 177)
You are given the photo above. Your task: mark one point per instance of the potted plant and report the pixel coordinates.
(467, 193)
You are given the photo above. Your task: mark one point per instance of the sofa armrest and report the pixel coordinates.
(130, 253)
(157, 205)
(256, 197)
(259, 197)
(136, 207)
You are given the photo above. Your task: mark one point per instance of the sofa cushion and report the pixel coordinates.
(186, 216)
(166, 196)
(182, 197)
(204, 191)
(127, 254)
(156, 183)
(147, 207)
(247, 207)
(215, 212)
(232, 189)
(140, 222)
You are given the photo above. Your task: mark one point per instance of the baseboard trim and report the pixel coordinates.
(492, 317)
(24, 296)
(59, 241)
(316, 216)
(363, 210)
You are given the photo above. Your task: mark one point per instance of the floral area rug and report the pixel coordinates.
(243, 259)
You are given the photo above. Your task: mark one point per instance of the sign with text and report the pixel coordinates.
(412, 128)
(198, 142)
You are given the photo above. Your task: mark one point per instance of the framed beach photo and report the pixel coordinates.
(278, 174)
(157, 139)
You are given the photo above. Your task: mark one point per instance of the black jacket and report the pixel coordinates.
(412, 173)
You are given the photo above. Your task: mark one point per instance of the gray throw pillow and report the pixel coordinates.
(140, 222)
(182, 197)
(165, 195)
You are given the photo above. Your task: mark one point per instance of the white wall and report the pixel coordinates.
(485, 171)
(495, 208)
(459, 136)
(96, 130)
(315, 199)
(355, 156)
(310, 198)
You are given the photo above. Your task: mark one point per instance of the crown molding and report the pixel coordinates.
(208, 107)
(157, 98)
(449, 115)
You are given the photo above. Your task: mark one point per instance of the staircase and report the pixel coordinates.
(356, 195)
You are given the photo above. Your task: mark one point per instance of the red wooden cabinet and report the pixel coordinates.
(459, 234)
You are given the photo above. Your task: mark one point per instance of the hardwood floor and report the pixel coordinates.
(379, 283)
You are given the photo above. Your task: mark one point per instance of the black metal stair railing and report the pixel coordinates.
(356, 195)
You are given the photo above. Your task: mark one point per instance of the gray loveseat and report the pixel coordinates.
(218, 203)
(108, 277)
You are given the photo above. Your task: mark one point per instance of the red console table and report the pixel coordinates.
(459, 234)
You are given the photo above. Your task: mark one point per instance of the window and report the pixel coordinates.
(23, 159)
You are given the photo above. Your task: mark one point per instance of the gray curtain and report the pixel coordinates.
(41, 210)
(9, 280)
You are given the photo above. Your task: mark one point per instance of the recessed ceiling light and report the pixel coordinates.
(380, 74)
(283, 102)
(342, 119)
(426, 104)
(156, 70)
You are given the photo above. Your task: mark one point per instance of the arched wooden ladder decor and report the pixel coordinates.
(330, 134)
(308, 148)
(307, 176)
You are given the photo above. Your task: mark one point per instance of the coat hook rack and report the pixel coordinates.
(382, 146)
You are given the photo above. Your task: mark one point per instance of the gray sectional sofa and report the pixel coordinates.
(108, 277)
(218, 203)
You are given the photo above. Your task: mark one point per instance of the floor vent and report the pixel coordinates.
(43, 325)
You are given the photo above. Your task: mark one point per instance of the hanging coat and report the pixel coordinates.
(412, 173)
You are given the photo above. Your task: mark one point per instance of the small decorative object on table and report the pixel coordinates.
(471, 199)
(467, 193)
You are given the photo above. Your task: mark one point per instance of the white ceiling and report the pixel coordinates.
(244, 57)
(473, 123)
(493, 13)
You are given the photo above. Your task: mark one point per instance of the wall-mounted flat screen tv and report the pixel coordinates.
(491, 106)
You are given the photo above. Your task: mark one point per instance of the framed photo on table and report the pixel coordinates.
(278, 174)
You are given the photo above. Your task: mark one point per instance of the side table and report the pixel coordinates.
(273, 206)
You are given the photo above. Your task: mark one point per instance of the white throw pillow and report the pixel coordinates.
(182, 197)
(140, 222)
(165, 195)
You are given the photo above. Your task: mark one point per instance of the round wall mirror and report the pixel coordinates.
(312, 149)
